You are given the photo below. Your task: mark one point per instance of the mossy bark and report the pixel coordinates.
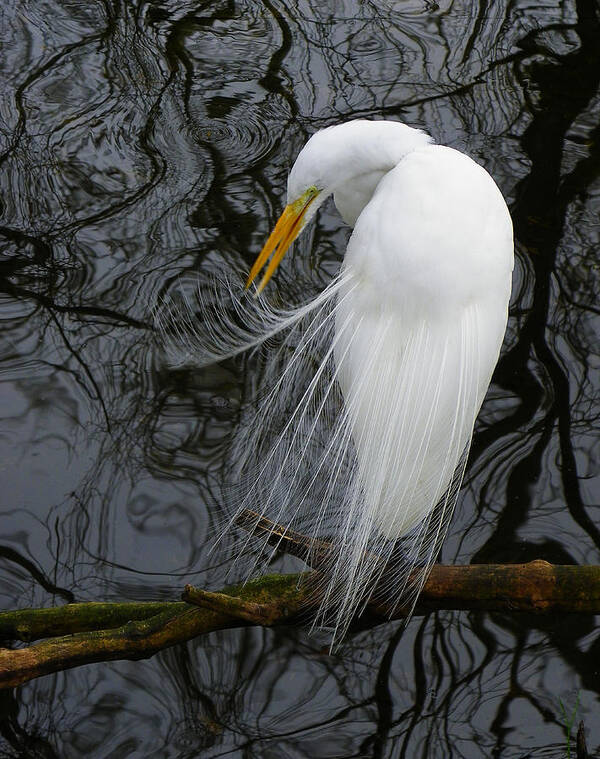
(93, 632)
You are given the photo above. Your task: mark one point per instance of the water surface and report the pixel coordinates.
(144, 142)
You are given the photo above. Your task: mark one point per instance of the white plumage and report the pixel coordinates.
(375, 385)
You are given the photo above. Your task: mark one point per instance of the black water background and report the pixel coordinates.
(139, 142)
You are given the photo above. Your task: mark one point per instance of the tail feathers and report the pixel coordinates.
(217, 319)
(360, 436)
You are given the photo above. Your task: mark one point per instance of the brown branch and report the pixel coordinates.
(139, 638)
(534, 587)
(537, 587)
(32, 624)
(133, 640)
(313, 551)
(104, 632)
(256, 614)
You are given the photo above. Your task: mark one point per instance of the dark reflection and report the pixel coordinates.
(145, 144)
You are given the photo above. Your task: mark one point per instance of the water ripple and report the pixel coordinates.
(145, 145)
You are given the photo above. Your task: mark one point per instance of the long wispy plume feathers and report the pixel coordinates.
(350, 434)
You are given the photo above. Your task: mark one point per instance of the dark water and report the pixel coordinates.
(139, 142)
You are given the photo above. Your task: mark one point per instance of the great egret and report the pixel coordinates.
(375, 386)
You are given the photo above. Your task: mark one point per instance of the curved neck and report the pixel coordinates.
(352, 197)
(348, 160)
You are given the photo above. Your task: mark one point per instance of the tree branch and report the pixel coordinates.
(109, 631)
(139, 637)
(32, 624)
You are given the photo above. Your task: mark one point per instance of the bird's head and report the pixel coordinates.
(335, 161)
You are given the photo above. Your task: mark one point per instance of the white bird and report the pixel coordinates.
(376, 383)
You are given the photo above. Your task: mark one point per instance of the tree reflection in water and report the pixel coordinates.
(143, 144)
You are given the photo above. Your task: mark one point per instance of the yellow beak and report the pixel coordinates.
(285, 232)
